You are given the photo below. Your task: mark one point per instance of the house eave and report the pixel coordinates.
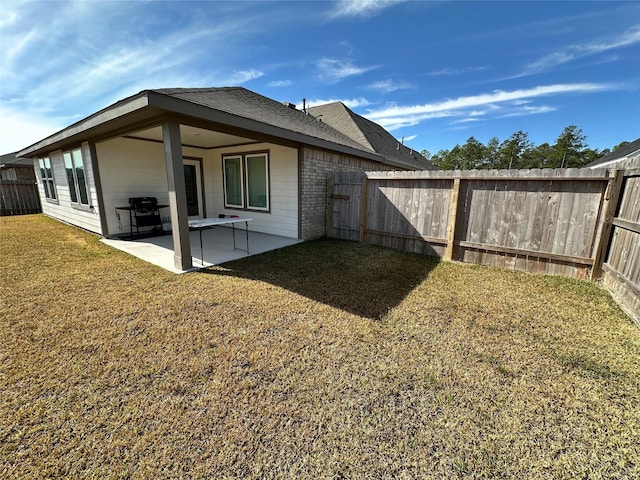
(148, 105)
(123, 112)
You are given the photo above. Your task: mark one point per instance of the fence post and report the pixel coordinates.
(453, 213)
(611, 196)
(363, 208)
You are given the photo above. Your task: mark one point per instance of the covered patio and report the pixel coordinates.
(202, 153)
(217, 247)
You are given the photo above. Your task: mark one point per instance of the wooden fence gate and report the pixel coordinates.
(19, 197)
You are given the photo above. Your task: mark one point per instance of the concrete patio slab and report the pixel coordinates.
(217, 245)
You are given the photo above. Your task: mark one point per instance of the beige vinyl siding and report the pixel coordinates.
(130, 168)
(282, 219)
(63, 210)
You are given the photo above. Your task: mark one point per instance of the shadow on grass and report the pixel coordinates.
(361, 279)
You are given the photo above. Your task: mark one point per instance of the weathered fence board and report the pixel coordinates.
(19, 197)
(622, 264)
(543, 221)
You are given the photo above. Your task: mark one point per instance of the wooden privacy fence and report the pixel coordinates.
(559, 222)
(19, 197)
(622, 260)
(533, 220)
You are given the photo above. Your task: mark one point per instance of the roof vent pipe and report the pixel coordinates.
(292, 106)
(304, 106)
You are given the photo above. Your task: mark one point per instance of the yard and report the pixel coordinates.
(327, 359)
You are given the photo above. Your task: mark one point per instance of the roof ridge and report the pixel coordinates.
(196, 89)
(348, 115)
(354, 118)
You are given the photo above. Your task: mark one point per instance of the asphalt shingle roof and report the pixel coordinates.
(11, 159)
(369, 134)
(619, 153)
(247, 104)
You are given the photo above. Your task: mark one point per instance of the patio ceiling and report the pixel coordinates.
(194, 137)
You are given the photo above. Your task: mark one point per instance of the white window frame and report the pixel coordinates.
(244, 181)
(246, 176)
(241, 182)
(48, 181)
(76, 183)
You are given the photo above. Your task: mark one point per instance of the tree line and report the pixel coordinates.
(569, 150)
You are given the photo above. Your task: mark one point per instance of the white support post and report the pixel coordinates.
(177, 195)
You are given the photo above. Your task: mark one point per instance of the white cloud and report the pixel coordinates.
(20, 129)
(394, 116)
(362, 8)
(497, 96)
(8, 17)
(445, 72)
(388, 86)
(351, 103)
(334, 70)
(14, 49)
(243, 76)
(526, 110)
(466, 120)
(394, 123)
(280, 83)
(45, 72)
(575, 52)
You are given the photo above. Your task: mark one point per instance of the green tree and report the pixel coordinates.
(570, 146)
(620, 145)
(512, 149)
(492, 153)
(570, 150)
(453, 161)
(471, 154)
(590, 155)
(439, 159)
(539, 157)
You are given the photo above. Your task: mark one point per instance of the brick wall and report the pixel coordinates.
(317, 166)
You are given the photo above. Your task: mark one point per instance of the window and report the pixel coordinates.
(47, 178)
(233, 191)
(246, 181)
(75, 176)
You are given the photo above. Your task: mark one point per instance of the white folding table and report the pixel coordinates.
(201, 224)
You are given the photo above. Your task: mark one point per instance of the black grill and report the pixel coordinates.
(143, 204)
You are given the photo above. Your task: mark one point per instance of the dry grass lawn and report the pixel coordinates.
(324, 360)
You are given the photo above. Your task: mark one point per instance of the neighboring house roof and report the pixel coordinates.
(233, 107)
(10, 160)
(369, 134)
(628, 152)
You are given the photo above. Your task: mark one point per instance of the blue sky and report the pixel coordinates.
(434, 73)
